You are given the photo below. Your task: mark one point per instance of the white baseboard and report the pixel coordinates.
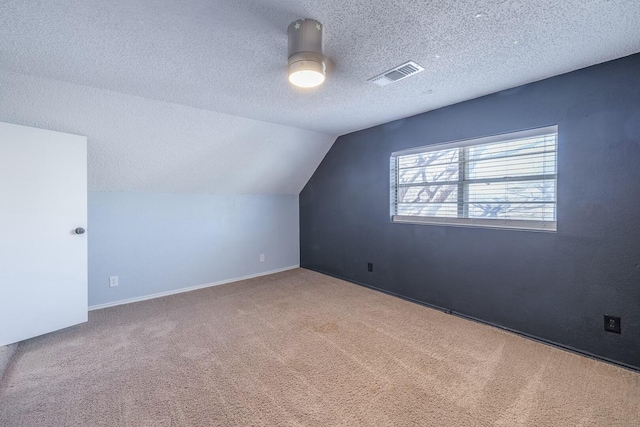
(191, 288)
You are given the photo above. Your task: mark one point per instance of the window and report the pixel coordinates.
(503, 181)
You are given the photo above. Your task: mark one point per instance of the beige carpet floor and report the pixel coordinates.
(299, 348)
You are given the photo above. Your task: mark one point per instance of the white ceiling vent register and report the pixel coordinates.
(396, 74)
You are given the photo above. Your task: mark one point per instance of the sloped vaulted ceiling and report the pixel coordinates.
(192, 95)
(137, 144)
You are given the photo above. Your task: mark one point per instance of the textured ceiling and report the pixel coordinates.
(230, 56)
(137, 144)
(192, 95)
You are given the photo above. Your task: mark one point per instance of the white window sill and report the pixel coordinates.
(508, 224)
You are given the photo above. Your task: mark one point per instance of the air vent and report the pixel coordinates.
(396, 74)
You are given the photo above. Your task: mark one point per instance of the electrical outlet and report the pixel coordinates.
(370, 267)
(261, 257)
(612, 324)
(113, 281)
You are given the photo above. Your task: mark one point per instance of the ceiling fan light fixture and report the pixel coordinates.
(307, 67)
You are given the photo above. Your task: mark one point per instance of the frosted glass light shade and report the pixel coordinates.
(306, 74)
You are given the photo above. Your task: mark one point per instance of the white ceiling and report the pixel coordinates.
(192, 95)
(230, 55)
(137, 144)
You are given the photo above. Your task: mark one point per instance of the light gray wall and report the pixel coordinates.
(165, 233)
(159, 242)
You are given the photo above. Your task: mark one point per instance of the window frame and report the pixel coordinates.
(512, 224)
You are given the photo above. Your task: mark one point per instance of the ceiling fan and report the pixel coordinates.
(307, 63)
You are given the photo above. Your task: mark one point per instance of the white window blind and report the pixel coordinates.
(504, 181)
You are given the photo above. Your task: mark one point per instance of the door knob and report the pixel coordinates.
(79, 230)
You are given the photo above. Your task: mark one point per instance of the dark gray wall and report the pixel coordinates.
(555, 286)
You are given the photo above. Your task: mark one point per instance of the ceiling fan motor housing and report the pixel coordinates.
(306, 46)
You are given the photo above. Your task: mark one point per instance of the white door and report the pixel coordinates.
(43, 261)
